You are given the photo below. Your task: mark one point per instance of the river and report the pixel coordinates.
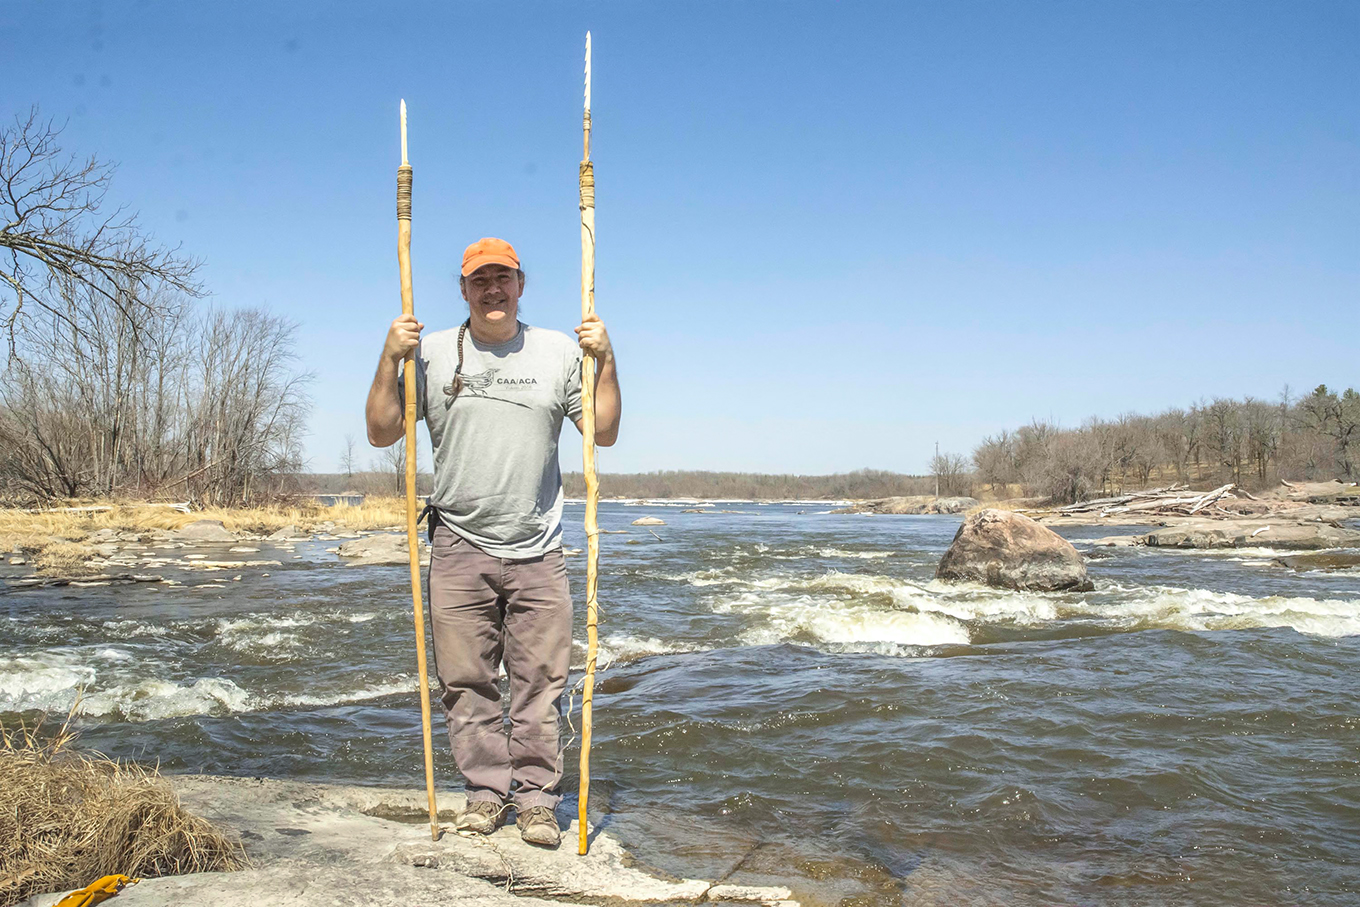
(790, 696)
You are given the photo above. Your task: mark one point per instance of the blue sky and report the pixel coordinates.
(829, 234)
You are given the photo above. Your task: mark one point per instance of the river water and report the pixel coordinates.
(791, 698)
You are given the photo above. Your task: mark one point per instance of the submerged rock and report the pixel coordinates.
(1010, 551)
(648, 521)
(1322, 560)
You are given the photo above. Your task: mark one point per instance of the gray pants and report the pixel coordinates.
(485, 610)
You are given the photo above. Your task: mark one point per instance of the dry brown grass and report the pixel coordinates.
(65, 559)
(68, 818)
(35, 531)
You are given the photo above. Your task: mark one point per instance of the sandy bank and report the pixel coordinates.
(340, 845)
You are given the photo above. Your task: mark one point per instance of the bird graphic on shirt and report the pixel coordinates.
(476, 386)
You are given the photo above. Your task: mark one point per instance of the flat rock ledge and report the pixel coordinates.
(1209, 534)
(1276, 534)
(340, 845)
(912, 504)
(381, 549)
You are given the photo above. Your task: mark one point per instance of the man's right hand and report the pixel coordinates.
(402, 337)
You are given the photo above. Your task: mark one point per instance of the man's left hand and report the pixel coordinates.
(594, 338)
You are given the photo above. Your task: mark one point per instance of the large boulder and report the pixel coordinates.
(1010, 551)
(1220, 534)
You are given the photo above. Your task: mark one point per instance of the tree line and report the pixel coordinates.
(1250, 442)
(117, 382)
(746, 486)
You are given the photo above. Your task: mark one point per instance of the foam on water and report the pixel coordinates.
(1168, 607)
(261, 635)
(156, 699)
(874, 612)
(41, 681)
(402, 683)
(109, 682)
(839, 622)
(622, 648)
(129, 627)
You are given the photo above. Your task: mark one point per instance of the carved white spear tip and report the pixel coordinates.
(403, 131)
(587, 70)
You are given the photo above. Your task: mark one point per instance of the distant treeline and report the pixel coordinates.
(377, 481)
(864, 483)
(749, 486)
(1249, 441)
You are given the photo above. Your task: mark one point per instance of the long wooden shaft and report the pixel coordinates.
(404, 174)
(588, 460)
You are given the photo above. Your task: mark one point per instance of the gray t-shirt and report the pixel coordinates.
(497, 482)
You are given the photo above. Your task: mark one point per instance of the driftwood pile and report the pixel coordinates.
(1174, 499)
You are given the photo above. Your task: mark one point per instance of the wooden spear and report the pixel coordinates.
(588, 456)
(412, 538)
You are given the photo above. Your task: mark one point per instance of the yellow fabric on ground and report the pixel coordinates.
(95, 892)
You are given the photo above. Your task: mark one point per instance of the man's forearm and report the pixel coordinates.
(383, 412)
(608, 403)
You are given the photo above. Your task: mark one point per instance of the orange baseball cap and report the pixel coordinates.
(489, 251)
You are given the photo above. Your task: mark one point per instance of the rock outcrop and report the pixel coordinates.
(1338, 492)
(1321, 560)
(1010, 551)
(1220, 534)
(913, 504)
(381, 549)
(331, 844)
(202, 531)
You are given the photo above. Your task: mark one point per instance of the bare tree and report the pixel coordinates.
(951, 470)
(392, 463)
(347, 457)
(56, 240)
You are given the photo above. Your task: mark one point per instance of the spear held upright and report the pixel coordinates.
(412, 538)
(588, 456)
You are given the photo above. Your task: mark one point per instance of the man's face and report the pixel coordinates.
(492, 293)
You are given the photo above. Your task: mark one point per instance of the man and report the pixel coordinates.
(493, 394)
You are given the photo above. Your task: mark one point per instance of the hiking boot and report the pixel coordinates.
(538, 825)
(481, 817)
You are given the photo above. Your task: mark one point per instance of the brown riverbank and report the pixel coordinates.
(59, 539)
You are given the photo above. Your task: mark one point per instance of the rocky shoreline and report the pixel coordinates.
(339, 845)
(1302, 517)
